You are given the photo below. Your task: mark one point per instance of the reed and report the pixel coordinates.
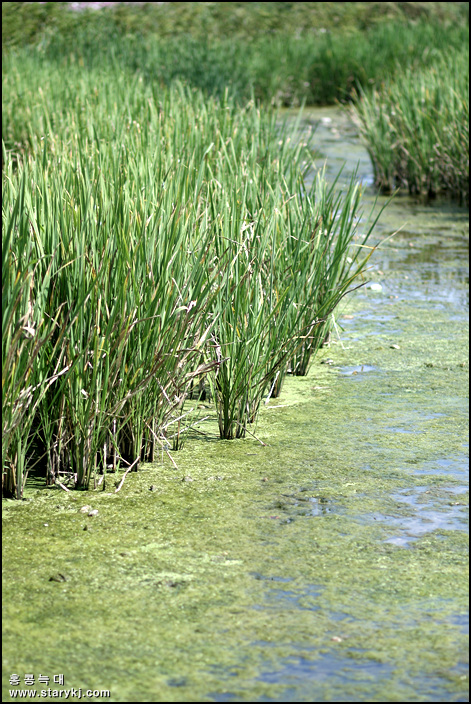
(152, 238)
(330, 252)
(417, 129)
(113, 264)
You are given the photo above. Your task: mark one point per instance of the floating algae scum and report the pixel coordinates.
(329, 564)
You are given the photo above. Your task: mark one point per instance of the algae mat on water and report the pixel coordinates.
(330, 565)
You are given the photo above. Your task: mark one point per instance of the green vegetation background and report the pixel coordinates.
(279, 52)
(26, 22)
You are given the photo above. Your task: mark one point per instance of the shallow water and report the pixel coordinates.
(330, 565)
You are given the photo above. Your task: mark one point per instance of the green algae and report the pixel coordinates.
(249, 563)
(160, 588)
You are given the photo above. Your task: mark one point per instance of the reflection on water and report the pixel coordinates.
(357, 370)
(456, 467)
(439, 273)
(428, 514)
(318, 674)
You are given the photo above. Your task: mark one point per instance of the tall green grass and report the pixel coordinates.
(152, 238)
(417, 129)
(330, 67)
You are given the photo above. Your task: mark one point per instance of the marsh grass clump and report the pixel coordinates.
(417, 129)
(152, 239)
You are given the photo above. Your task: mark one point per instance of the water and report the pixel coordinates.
(425, 265)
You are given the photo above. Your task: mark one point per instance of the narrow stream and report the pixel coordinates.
(330, 563)
(400, 358)
(417, 306)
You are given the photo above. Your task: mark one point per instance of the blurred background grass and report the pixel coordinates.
(283, 53)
